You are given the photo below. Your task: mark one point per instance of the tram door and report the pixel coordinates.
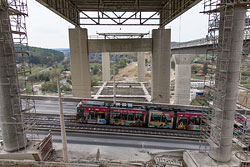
(96, 117)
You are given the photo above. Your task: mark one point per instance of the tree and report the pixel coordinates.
(48, 86)
(122, 63)
(95, 69)
(205, 68)
(172, 64)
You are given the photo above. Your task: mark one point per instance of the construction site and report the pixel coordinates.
(164, 109)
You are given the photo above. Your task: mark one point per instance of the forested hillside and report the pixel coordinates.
(43, 56)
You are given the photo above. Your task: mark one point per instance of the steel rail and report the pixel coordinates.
(51, 121)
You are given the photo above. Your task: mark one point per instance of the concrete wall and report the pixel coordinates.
(5, 163)
(161, 65)
(119, 45)
(137, 99)
(123, 91)
(79, 59)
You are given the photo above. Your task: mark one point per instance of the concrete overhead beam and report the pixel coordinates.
(119, 45)
(194, 47)
(121, 87)
(202, 49)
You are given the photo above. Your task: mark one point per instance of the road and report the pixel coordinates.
(116, 148)
(52, 107)
(124, 141)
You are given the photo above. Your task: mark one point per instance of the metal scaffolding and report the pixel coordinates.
(18, 11)
(220, 33)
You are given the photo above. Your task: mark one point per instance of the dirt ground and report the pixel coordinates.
(129, 73)
(244, 99)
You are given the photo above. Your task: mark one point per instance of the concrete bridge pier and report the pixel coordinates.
(141, 66)
(227, 80)
(161, 54)
(11, 120)
(79, 59)
(182, 78)
(105, 66)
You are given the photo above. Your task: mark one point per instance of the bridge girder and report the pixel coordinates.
(119, 12)
(64, 8)
(174, 8)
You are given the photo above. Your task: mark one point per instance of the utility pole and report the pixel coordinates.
(63, 132)
(114, 86)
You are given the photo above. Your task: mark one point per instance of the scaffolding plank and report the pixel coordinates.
(13, 11)
(28, 109)
(18, 32)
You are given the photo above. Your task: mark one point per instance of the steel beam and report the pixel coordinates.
(106, 10)
(64, 8)
(174, 8)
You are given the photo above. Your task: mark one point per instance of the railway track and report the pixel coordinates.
(52, 121)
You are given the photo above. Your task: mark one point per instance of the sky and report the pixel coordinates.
(47, 30)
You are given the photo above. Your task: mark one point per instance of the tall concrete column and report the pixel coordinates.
(79, 59)
(141, 66)
(182, 78)
(227, 81)
(105, 67)
(10, 104)
(161, 65)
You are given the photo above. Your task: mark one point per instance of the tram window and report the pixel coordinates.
(155, 118)
(139, 117)
(166, 118)
(116, 115)
(194, 121)
(100, 115)
(124, 116)
(91, 114)
(183, 120)
(182, 123)
(131, 117)
(80, 112)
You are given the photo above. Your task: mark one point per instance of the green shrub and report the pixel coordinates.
(245, 73)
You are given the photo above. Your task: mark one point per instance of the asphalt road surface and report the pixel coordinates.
(124, 141)
(52, 107)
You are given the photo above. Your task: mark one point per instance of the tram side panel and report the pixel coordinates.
(94, 115)
(127, 117)
(188, 121)
(158, 119)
